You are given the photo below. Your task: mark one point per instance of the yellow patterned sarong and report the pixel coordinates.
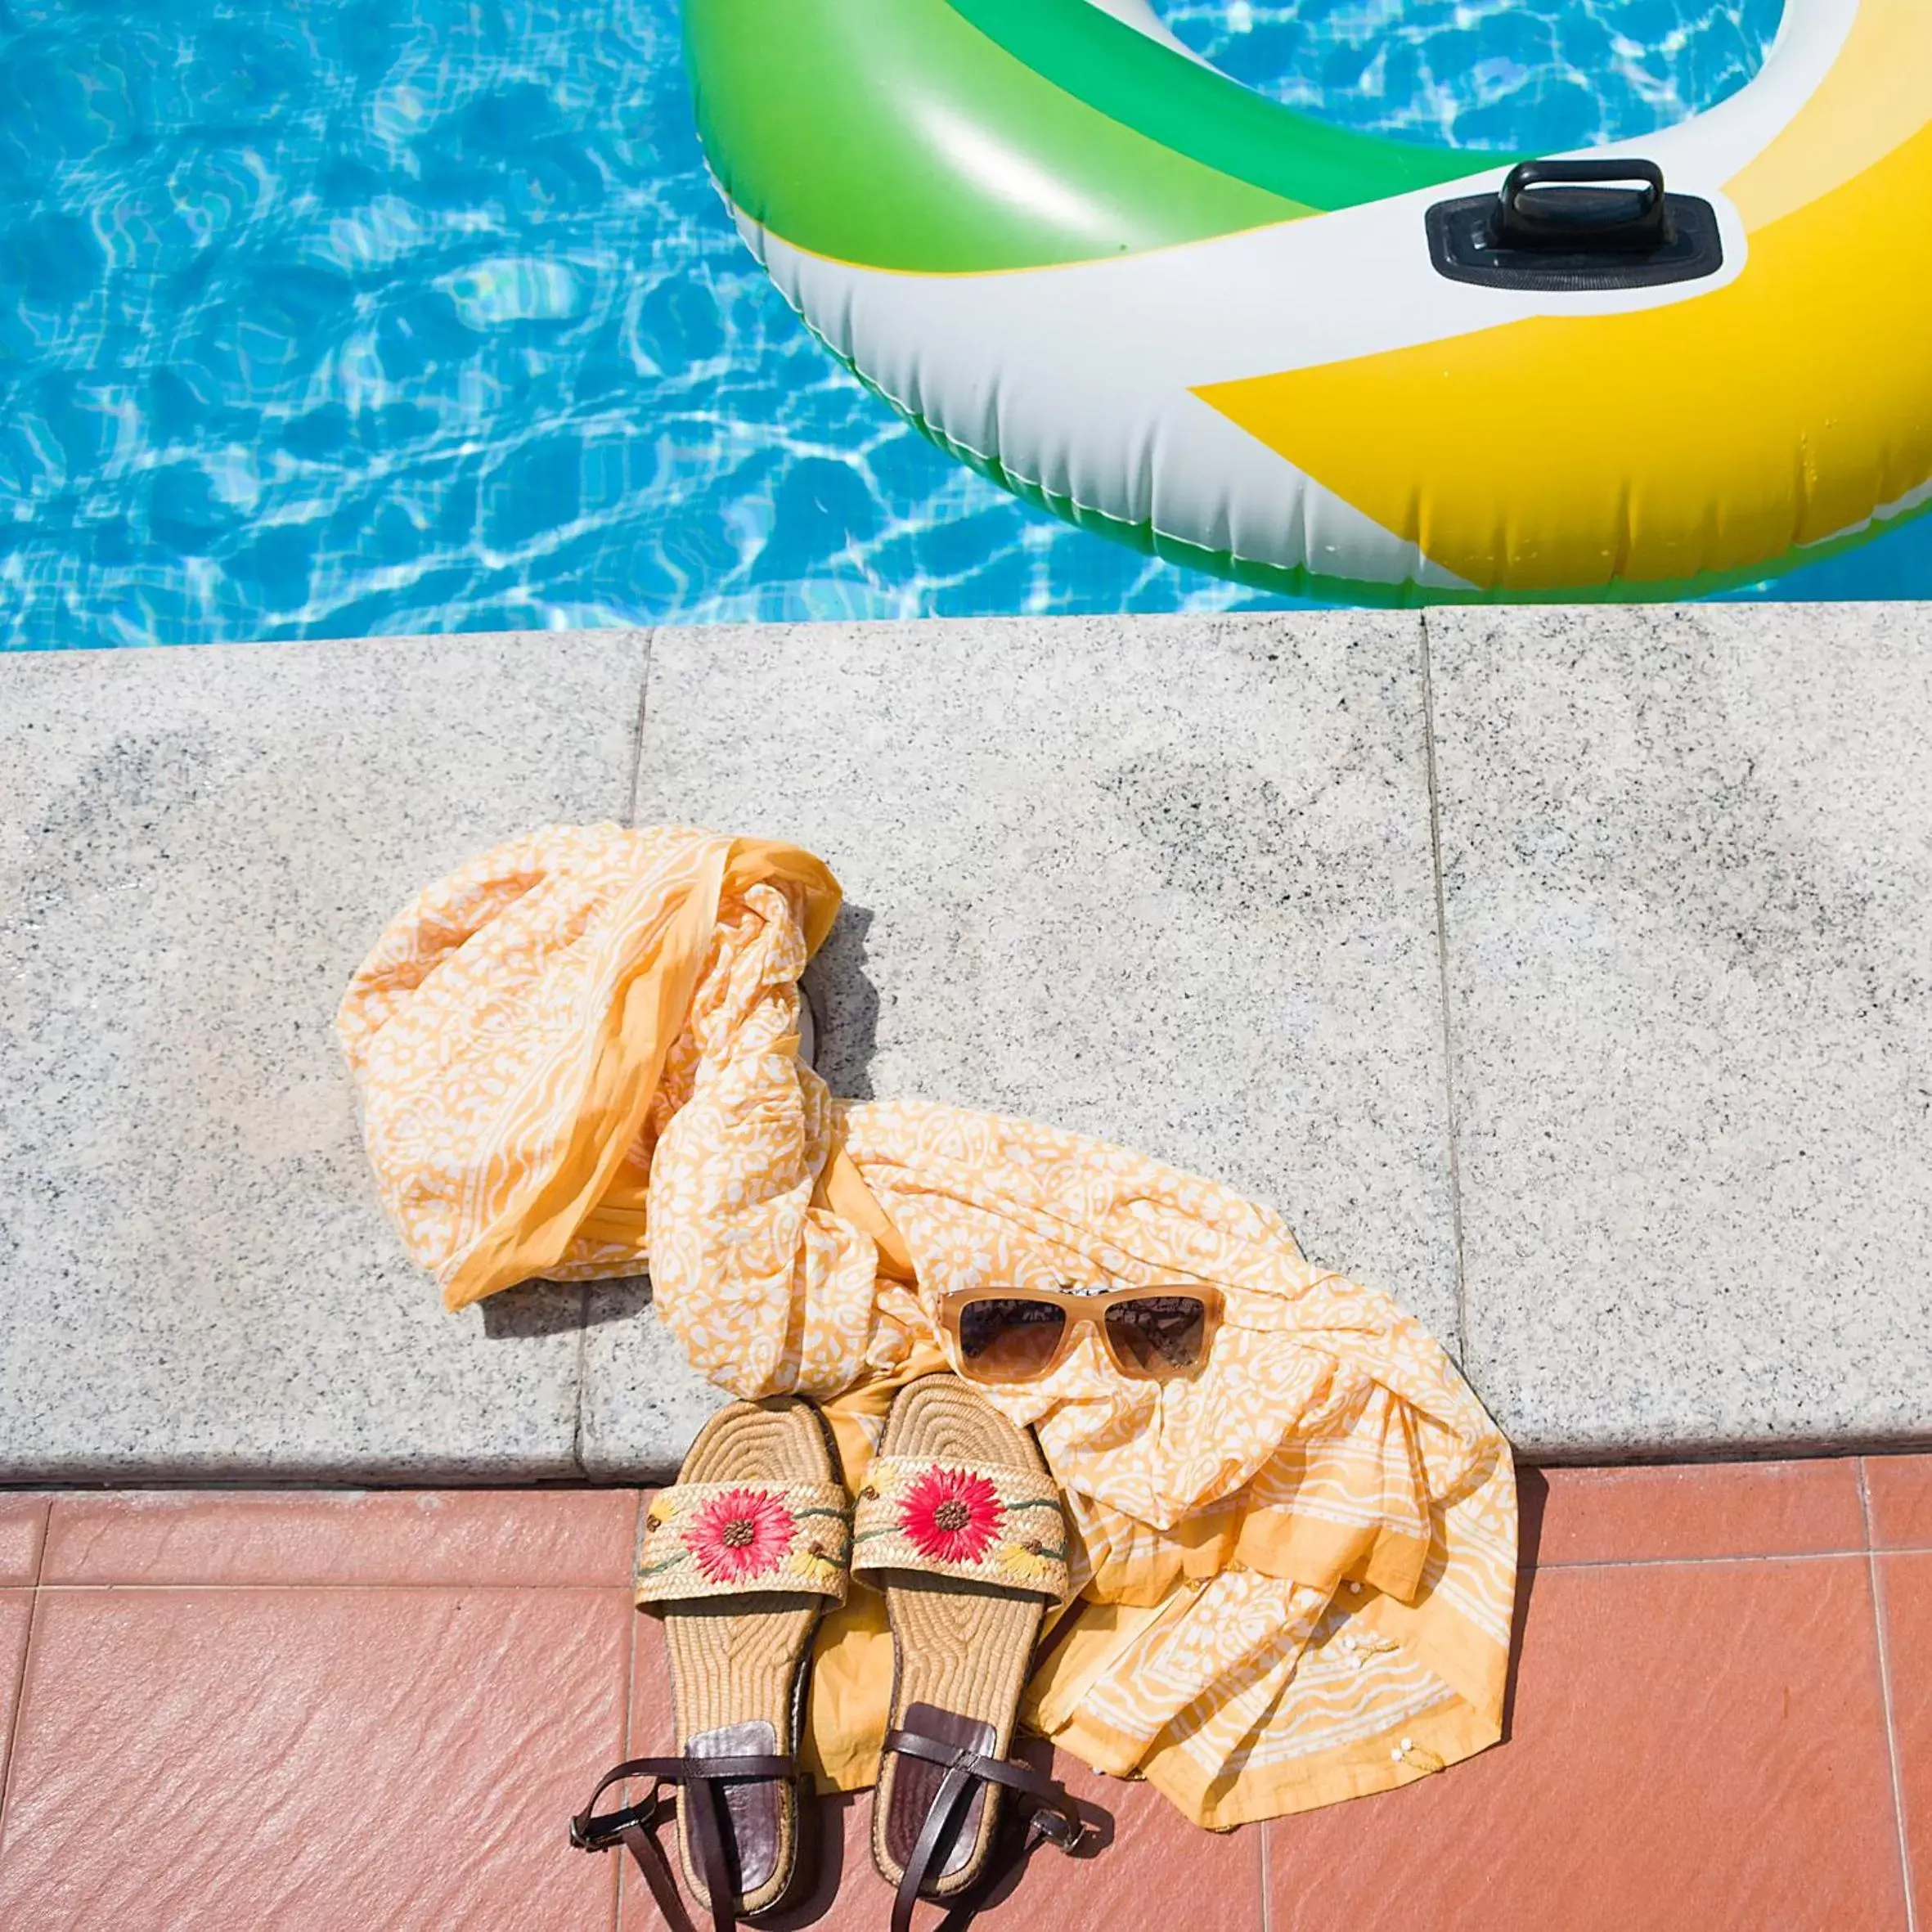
(1295, 1572)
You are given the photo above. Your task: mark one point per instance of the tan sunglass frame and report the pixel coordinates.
(1084, 1305)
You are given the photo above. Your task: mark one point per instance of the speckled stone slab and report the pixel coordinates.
(1687, 869)
(196, 847)
(1168, 881)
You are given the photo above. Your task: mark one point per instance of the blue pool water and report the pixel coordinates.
(355, 317)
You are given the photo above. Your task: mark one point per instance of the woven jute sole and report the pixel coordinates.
(958, 1647)
(742, 1660)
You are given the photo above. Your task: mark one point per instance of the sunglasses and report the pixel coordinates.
(1019, 1335)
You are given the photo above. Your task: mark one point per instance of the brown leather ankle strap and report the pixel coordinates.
(634, 1826)
(1052, 1817)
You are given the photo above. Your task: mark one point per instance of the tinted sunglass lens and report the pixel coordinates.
(1158, 1334)
(1004, 1339)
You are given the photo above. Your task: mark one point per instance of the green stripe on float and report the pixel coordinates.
(896, 134)
(1192, 110)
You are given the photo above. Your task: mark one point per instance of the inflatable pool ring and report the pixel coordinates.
(1136, 293)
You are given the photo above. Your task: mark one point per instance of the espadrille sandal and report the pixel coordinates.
(741, 1558)
(960, 1526)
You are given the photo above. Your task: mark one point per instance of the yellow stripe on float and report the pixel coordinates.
(1875, 98)
(1561, 454)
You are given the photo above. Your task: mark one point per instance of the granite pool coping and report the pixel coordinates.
(1567, 972)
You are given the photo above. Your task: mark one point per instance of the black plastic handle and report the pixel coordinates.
(1582, 207)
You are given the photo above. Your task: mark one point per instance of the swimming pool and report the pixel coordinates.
(382, 316)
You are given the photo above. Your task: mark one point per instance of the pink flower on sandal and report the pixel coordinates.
(949, 1516)
(740, 1535)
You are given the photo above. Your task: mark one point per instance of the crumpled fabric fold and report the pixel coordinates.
(578, 1057)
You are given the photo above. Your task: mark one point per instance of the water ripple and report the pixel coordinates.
(378, 315)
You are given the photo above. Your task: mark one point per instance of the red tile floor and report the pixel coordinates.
(373, 1713)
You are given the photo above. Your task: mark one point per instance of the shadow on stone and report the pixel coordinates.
(846, 1004)
(617, 1301)
(532, 1309)
(563, 1307)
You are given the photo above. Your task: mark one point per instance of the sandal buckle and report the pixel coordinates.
(1063, 1833)
(615, 1824)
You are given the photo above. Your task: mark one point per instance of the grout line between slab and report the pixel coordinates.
(644, 687)
(296, 1483)
(583, 1364)
(637, 737)
(1264, 1871)
(128, 1586)
(467, 1583)
(20, 1678)
(1442, 982)
(1884, 1685)
(633, 780)
(219, 1488)
(1701, 1562)
(617, 1890)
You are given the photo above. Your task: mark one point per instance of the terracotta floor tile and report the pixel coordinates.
(1905, 1585)
(528, 1537)
(654, 1728)
(1901, 1491)
(1715, 1509)
(1696, 1746)
(23, 1522)
(1153, 1873)
(318, 1760)
(17, 1614)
